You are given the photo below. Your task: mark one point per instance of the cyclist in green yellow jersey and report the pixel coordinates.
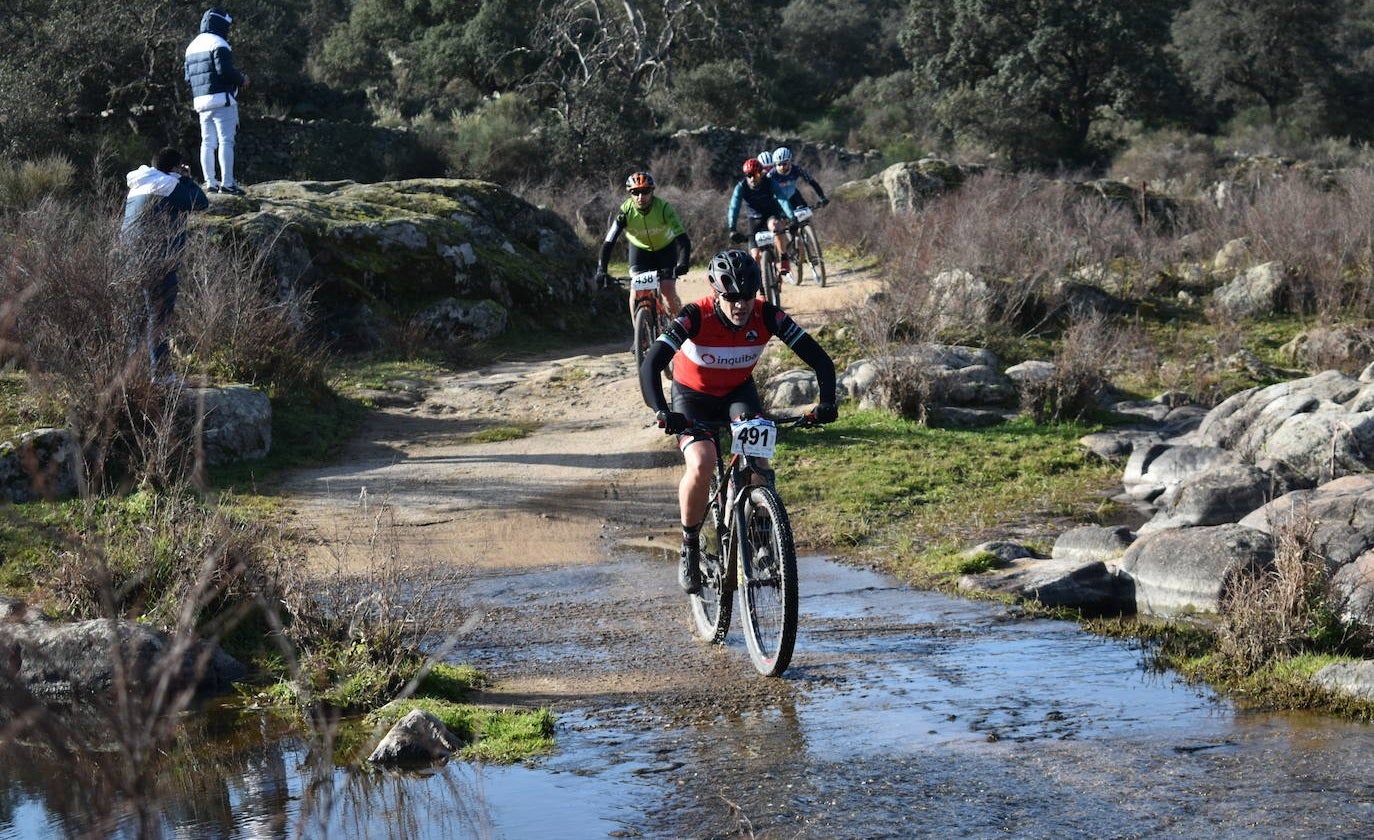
(655, 236)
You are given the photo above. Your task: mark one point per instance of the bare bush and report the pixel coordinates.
(1170, 160)
(193, 572)
(242, 324)
(1279, 610)
(24, 185)
(1322, 232)
(366, 619)
(1071, 391)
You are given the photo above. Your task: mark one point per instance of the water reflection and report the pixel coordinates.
(907, 715)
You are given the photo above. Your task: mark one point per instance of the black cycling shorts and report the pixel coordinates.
(643, 260)
(756, 225)
(694, 405)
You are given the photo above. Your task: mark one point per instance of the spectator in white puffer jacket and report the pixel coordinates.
(215, 85)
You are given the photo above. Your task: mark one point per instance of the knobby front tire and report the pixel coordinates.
(644, 324)
(811, 249)
(711, 607)
(768, 584)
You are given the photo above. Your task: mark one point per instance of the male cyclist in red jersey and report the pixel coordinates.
(764, 206)
(656, 237)
(714, 344)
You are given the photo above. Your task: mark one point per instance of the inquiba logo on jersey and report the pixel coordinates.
(723, 357)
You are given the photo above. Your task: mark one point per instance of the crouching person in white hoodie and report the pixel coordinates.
(154, 236)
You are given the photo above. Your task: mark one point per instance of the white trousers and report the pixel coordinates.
(217, 128)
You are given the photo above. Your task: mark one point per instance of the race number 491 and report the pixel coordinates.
(755, 437)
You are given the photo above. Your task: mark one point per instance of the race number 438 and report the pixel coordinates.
(645, 281)
(755, 437)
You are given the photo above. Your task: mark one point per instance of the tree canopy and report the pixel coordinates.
(1038, 82)
(1031, 76)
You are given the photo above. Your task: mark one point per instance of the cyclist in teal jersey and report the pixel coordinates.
(655, 235)
(786, 173)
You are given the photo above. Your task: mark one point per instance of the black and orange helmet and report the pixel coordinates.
(639, 181)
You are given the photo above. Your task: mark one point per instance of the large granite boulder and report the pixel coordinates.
(1188, 570)
(427, 251)
(235, 422)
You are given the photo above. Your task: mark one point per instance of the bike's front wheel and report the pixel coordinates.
(644, 324)
(811, 249)
(711, 606)
(768, 582)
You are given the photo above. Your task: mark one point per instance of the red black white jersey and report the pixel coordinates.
(716, 357)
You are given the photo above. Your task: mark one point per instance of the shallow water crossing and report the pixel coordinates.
(905, 714)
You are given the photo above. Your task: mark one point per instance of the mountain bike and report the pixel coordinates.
(806, 248)
(768, 265)
(747, 550)
(651, 314)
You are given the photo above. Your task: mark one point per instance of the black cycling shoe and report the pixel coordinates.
(689, 569)
(231, 190)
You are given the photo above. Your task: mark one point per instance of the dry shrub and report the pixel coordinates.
(1169, 160)
(1072, 390)
(197, 574)
(1279, 610)
(366, 619)
(73, 323)
(240, 322)
(1322, 232)
(1013, 233)
(24, 185)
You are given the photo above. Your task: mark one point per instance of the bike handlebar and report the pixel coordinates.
(796, 421)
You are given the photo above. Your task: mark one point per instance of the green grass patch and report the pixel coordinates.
(911, 497)
(496, 736)
(496, 434)
(21, 409)
(450, 682)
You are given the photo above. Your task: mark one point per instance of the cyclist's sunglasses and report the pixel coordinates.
(735, 298)
(643, 191)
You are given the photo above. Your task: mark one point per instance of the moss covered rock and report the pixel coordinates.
(385, 252)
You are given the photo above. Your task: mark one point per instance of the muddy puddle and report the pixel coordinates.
(905, 714)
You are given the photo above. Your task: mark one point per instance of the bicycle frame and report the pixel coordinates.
(648, 292)
(649, 315)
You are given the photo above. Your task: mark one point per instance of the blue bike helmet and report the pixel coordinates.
(782, 154)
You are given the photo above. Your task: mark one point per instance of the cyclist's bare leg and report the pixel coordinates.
(779, 228)
(669, 289)
(700, 458)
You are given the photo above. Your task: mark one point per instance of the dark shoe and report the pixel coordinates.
(211, 189)
(689, 569)
(231, 190)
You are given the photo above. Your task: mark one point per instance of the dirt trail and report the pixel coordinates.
(593, 478)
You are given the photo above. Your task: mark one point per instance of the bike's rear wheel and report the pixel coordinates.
(811, 251)
(644, 324)
(768, 582)
(711, 607)
(772, 289)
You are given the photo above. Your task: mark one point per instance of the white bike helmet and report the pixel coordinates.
(766, 158)
(782, 154)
